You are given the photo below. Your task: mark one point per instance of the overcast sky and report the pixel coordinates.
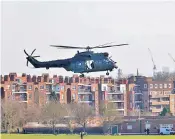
(30, 25)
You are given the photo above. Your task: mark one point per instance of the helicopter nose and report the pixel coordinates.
(115, 66)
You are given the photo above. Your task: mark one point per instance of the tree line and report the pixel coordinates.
(15, 115)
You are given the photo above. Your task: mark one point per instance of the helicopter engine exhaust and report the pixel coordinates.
(106, 54)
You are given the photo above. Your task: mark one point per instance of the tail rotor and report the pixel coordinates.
(30, 56)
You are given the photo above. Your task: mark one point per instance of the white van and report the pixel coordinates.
(165, 131)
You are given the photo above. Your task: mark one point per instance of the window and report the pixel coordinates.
(42, 87)
(93, 89)
(160, 85)
(165, 85)
(30, 87)
(8, 87)
(129, 126)
(155, 85)
(145, 86)
(62, 96)
(104, 88)
(30, 96)
(73, 96)
(167, 92)
(13, 87)
(169, 85)
(73, 87)
(62, 87)
(151, 85)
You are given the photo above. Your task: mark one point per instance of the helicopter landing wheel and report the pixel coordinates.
(82, 75)
(107, 73)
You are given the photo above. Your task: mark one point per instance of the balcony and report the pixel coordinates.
(85, 97)
(19, 88)
(83, 89)
(138, 101)
(119, 106)
(159, 96)
(154, 110)
(49, 97)
(22, 97)
(120, 109)
(84, 93)
(115, 100)
(116, 97)
(111, 91)
(84, 101)
(138, 93)
(160, 103)
(114, 92)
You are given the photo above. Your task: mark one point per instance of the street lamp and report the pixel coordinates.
(140, 126)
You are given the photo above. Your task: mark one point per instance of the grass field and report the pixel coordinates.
(34, 136)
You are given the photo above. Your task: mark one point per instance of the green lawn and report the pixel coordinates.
(33, 136)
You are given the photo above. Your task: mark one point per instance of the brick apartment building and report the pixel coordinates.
(137, 92)
(127, 94)
(115, 93)
(37, 89)
(160, 95)
(172, 100)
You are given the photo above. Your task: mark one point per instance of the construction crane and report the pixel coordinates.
(154, 65)
(171, 57)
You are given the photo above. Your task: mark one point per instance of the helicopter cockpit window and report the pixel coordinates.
(89, 64)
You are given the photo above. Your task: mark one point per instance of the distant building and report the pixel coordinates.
(116, 94)
(159, 95)
(137, 94)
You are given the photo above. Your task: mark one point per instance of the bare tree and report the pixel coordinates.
(109, 115)
(162, 76)
(13, 114)
(82, 113)
(69, 117)
(53, 113)
(33, 113)
(138, 113)
(172, 76)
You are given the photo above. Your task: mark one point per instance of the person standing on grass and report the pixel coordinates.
(81, 135)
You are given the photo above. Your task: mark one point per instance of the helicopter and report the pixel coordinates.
(82, 62)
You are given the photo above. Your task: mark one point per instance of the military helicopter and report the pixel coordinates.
(81, 62)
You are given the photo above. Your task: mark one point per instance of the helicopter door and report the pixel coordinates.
(89, 64)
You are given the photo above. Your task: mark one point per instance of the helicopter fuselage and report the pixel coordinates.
(86, 62)
(83, 62)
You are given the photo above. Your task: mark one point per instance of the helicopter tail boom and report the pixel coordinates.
(46, 64)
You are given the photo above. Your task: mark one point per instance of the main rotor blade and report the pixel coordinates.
(104, 44)
(67, 47)
(33, 51)
(26, 53)
(35, 56)
(109, 46)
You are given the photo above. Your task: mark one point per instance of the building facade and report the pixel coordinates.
(116, 94)
(159, 95)
(38, 89)
(137, 92)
